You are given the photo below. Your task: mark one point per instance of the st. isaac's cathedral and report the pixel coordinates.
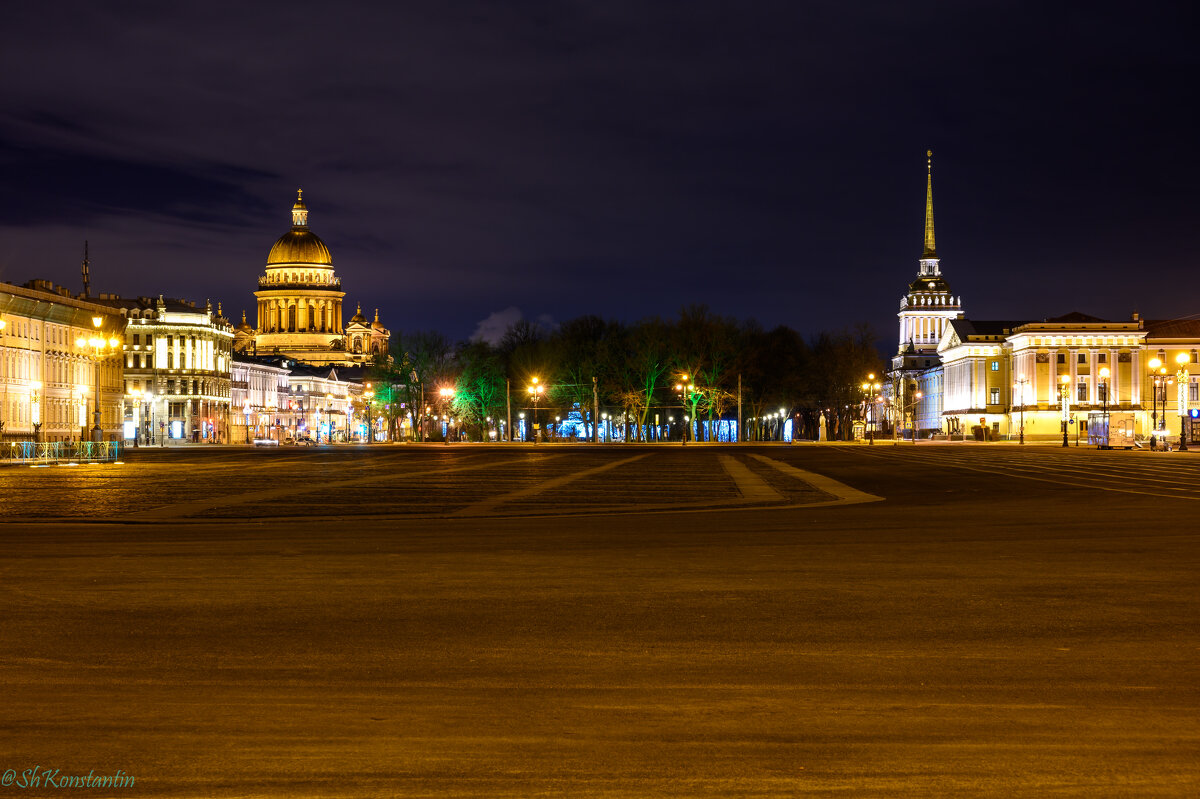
(299, 312)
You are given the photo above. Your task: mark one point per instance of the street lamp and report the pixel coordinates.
(447, 395)
(328, 418)
(1022, 381)
(370, 395)
(1104, 373)
(1064, 394)
(1158, 375)
(684, 388)
(535, 390)
(100, 345)
(869, 390)
(1181, 382)
(911, 410)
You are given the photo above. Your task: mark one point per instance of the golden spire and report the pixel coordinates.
(930, 246)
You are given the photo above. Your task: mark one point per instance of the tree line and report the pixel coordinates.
(637, 367)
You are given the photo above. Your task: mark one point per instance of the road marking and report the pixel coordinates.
(752, 487)
(846, 495)
(187, 508)
(487, 505)
(1020, 467)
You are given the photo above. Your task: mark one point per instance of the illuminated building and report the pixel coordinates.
(299, 311)
(260, 390)
(177, 365)
(914, 385)
(47, 381)
(978, 379)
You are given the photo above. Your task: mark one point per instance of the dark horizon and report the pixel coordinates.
(472, 164)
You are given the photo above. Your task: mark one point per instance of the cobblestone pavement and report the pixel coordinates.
(389, 481)
(606, 622)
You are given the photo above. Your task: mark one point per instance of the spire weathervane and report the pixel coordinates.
(930, 246)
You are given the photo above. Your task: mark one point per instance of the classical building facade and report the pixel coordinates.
(177, 361)
(988, 380)
(47, 379)
(299, 310)
(260, 391)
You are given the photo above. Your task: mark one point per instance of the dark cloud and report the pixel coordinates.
(623, 159)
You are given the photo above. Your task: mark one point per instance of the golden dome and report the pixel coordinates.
(358, 318)
(300, 245)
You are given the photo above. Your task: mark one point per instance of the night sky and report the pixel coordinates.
(469, 162)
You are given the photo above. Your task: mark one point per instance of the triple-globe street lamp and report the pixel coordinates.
(536, 390)
(1160, 380)
(870, 389)
(685, 387)
(102, 347)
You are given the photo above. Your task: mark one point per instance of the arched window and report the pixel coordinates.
(292, 319)
(358, 343)
(312, 317)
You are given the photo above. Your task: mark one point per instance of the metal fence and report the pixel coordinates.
(51, 452)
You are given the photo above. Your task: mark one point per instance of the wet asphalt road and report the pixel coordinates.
(608, 622)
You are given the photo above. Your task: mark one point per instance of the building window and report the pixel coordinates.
(995, 366)
(1195, 357)
(1162, 355)
(1082, 357)
(995, 396)
(1102, 392)
(1082, 392)
(1193, 392)
(1062, 357)
(1102, 358)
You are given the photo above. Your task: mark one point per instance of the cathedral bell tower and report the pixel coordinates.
(928, 307)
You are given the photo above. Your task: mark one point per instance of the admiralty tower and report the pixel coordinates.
(300, 305)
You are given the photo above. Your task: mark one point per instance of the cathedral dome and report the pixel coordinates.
(300, 245)
(358, 318)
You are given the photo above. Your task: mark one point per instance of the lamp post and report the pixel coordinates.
(1158, 376)
(4, 407)
(370, 396)
(328, 418)
(1181, 382)
(148, 397)
(136, 404)
(1064, 394)
(684, 388)
(447, 395)
(1022, 381)
(870, 389)
(99, 344)
(535, 390)
(1104, 373)
(912, 412)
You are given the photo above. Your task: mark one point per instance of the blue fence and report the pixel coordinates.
(50, 452)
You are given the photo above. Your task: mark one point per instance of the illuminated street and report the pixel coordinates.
(613, 621)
